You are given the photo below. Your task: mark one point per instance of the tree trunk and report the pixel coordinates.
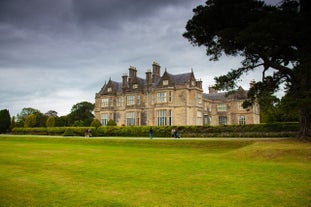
(305, 126)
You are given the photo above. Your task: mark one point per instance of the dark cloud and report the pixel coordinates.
(34, 14)
(112, 13)
(55, 53)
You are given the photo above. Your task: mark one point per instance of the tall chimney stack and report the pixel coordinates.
(148, 79)
(155, 71)
(124, 81)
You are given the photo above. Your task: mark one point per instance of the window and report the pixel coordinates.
(170, 96)
(138, 100)
(222, 120)
(111, 101)
(130, 118)
(199, 98)
(165, 82)
(199, 118)
(130, 100)
(221, 107)
(170, 117)
(105, 102)
(242, 120)
(119, 101)
(104, 119)
(109, 89)
(135, 85)
(161, 97)
(161, 117)
(207, 120)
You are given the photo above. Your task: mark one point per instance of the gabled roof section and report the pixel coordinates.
(173, 80)
(239, 94)
(181, 79)
(139, 81)
(111, 87)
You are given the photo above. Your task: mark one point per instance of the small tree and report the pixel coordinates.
(5, 120)
(96, 123)
(111, 123)
(21, 117)
(50, 122)
(30, 121)
(13, 123)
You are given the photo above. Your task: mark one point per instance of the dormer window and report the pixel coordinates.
(135, 85)
(165, 82)
(109, 89)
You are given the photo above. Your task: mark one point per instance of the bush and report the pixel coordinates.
(69, 132)
(96, 123)
(111, 123)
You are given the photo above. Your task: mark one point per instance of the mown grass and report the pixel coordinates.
(120, 172)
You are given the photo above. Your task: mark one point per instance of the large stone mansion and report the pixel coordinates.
(169, 99)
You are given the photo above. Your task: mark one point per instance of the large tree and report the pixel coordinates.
(21, 117)
(5, 120)
(81, 112)
(273, 39)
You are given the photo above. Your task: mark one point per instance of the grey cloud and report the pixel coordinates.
(34, 14)
(55, 53)
(111, 13)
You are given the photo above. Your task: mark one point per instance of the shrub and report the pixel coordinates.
(111, 123)
(96, 123)
(69, 132)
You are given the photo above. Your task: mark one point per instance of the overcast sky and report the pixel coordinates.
(54, 54)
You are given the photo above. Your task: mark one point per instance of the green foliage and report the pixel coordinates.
(50, 122)
(111, 123)
(275, 39)
(81, 112)
(61, 121)
(69, 132)
(5, 120)
(256, 130)
(21, 117)
(30, 121)
(96, 123)
(13, 122)
(77, 131)
(78, 123)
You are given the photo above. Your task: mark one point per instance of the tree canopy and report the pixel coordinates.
(5, 120)
(81, 112)
(273, 39)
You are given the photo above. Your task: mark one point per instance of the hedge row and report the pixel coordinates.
(65, 131)
(256, 130)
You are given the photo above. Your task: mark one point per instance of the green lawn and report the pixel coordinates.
(119, 172)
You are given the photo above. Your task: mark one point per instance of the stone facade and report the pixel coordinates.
(169, 100)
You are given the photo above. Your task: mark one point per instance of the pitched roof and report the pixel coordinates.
(180, 79)
(117, 86)
(237, 95)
